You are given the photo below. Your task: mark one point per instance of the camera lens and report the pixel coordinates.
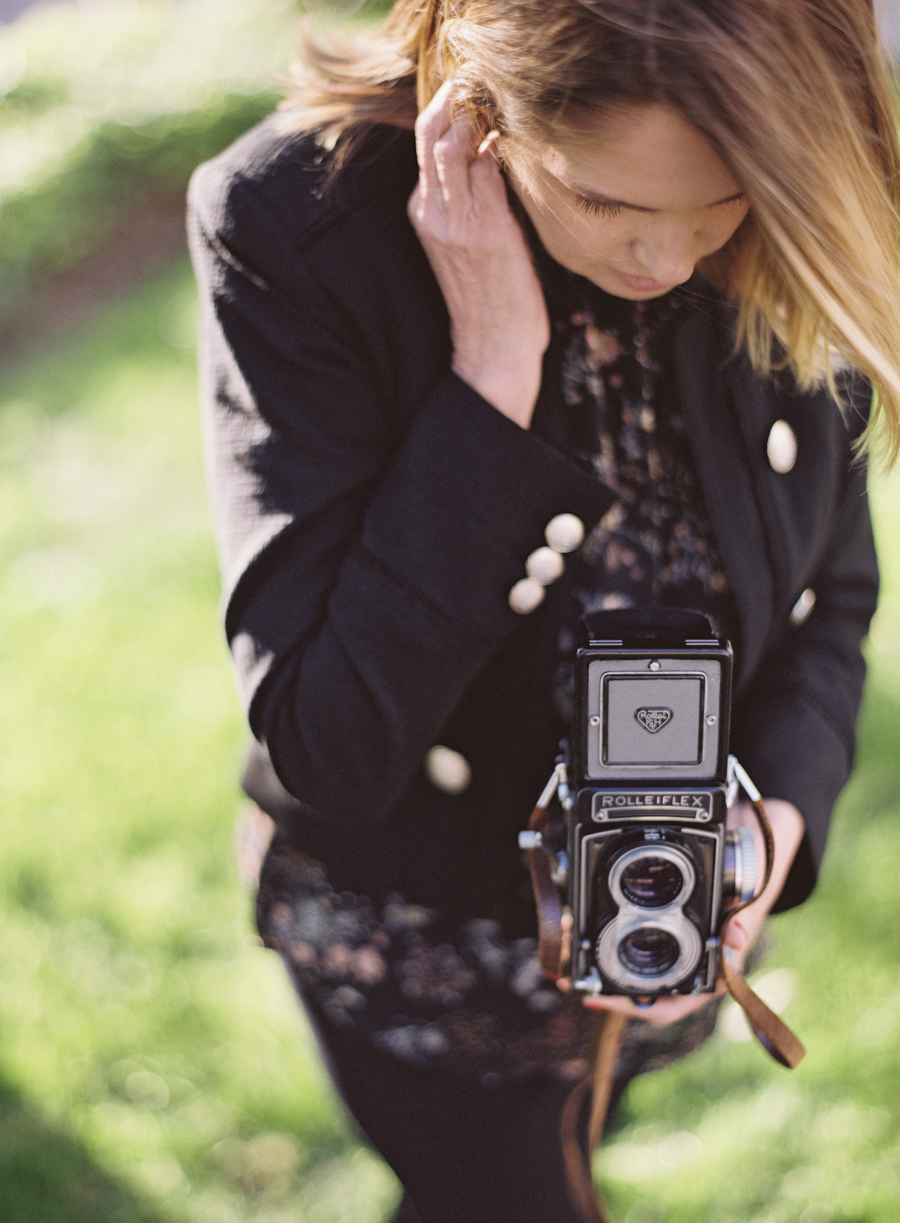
(650, 881)
(649, 951)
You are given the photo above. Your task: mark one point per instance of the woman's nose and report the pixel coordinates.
(668, 253)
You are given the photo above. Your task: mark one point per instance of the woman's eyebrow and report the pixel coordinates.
(608, 202)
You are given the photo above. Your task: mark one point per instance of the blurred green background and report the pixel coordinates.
(152, 1065)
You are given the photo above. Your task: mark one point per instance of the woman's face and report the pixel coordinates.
(632, 202)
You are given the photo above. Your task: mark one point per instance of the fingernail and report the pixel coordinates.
(736, 936)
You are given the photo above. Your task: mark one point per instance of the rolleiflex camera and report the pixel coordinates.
(651, 868)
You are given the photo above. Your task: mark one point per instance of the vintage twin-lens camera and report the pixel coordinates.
(651, 867)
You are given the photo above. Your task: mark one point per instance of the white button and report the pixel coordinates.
(564, 533)
(526, 595)
(546, 565)
(781, 447)
(803, 606)
(447, 769)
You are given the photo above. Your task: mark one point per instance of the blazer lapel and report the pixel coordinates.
(710, 385)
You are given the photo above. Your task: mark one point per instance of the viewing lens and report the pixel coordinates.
(648, 951)
(651, 882)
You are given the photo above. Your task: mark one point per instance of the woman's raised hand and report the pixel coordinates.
(498, 318)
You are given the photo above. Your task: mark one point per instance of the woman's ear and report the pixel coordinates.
(480, 107)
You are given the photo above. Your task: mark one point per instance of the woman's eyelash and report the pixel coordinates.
(597, 208)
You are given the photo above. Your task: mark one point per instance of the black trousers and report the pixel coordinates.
(464, 1152)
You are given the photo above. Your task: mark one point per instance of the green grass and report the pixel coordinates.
(151, 1062)
(152, 1067)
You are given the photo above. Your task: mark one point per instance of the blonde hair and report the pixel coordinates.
(794, 96)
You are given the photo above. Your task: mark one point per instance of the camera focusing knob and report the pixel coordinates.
(740, 865)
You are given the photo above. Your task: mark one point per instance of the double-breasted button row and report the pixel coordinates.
(545, 565)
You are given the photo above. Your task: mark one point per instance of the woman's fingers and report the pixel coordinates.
(432, 124)
(449, 164)
(735, 935)
(487, 184)
(661, 1012)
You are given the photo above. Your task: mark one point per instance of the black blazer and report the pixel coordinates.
(373, 513)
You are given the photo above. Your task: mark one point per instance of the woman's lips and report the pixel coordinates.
(642, 284)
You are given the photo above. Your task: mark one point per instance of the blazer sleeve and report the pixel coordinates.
(368, 541)
(795, 728)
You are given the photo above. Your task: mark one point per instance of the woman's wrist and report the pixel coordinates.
(512, 390)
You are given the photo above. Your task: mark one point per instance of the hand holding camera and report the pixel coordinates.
(658, 850)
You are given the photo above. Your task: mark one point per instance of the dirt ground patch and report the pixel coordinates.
(149, 237)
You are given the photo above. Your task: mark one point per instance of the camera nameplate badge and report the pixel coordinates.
(655, 804)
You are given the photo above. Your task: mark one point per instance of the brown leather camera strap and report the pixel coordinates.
(773, 1034)
(599, 1081)
(547, 899)
(553, 952)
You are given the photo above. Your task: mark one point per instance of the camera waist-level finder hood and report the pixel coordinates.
(653, 693)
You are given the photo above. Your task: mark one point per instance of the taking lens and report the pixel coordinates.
(651, 881)
(649, 951)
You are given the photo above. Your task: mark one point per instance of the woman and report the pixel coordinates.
(621, 301)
